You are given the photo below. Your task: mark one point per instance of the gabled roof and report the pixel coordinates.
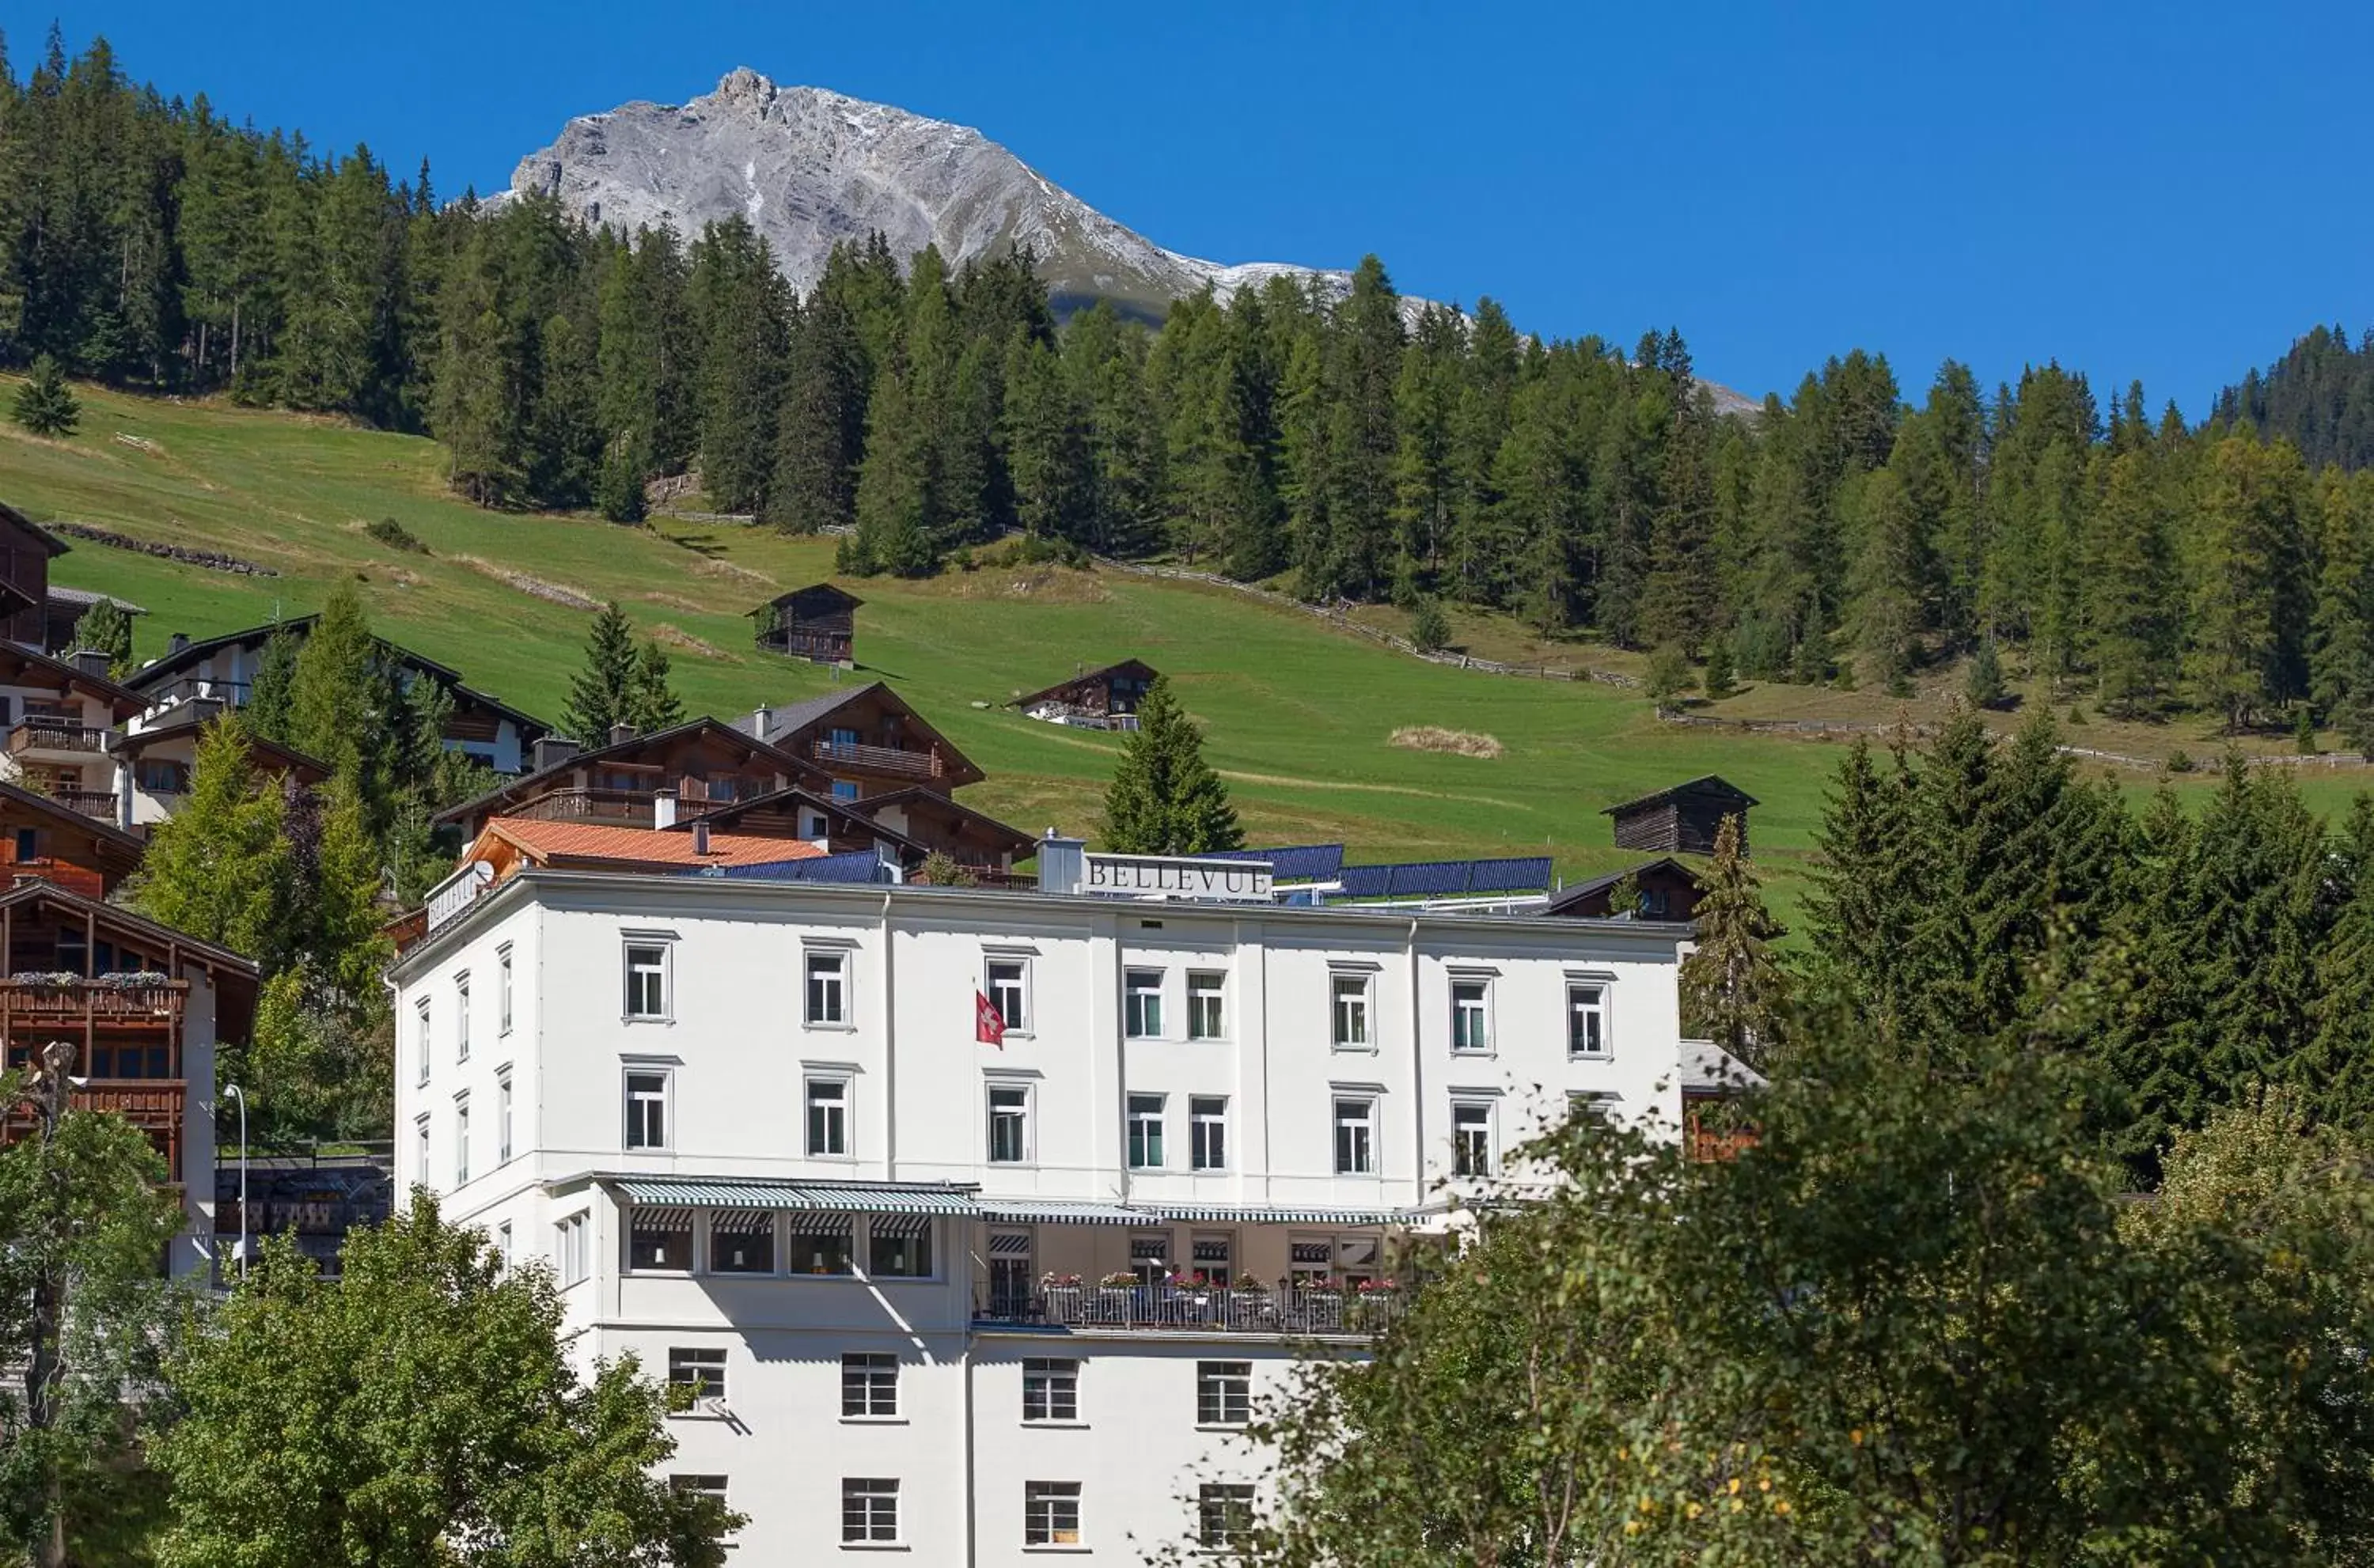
(586, 845)
(1708, 1068)
(858, 866)
(783, 724)
(1704, 784)
(66, 817)
(1023, 843)
(13, 518)
(158, 670)
(1299, 863)
(178, 721)
(1577, 893)
(61, 594)
(124, 919)
(126, 701)
(845, 597)
(1446, 879)
(526, 785)
(794, 796)
(1138, 667)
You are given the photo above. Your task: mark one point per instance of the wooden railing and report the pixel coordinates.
(881, 760)
(1705, 1145)
(586, 802)
(35, 1002)
(98, 804)
(54, 735)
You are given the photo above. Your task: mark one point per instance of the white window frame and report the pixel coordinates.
(461, 1139)
(698, 1361)
(503, 1243)
(1337, 981)
(1469, 1105)
(1040, 1499)
(1576, 983)
(1136, 1143)
(874, 1489)
(846, 1083)
(1337, 1121)
(425, 1041)
(461, 1016)
(503, 1101)
(1029, 1094)
(503, 989)
(1207, 985)
(421, 1147)
(1599, 1105)
(1197, 1120)
(630, 943)
(843, 962)
(665, 1073)
(1224, 1394)
(1483, 1013)
(1228, 1495)
(868, 1365)
(571, 1248)
(1058, 1371)
(996, 959)
(1141, 1005)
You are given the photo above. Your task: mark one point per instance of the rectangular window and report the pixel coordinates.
(869, 1510)
(660, 1239)
(819, 1245)
(420, 1148)
(1050, 1513)
(503, 990)
(1142, 1007)
(503, 1120)
(702, 1371)
(1470, 1026)
(1224, 1514)
(1586, 1019)
(899, 1246)
(1145, 1133)
(1598, 1105)
(647, 1110)
(712, 1487)
(844, 789)
(828, 1117)
(1356, 1151)
(647, 965)
(1050, 1389)
(1208, 1014)
(503, 1243)
(742, 1241)
(1009, 1124)
(869, 1385)
(1224, 1393)
(1351, 1010)
(1213, 1254)
(828, 989)
(460, 1018)
(1207, 1133)
(421, 1038)
(1009, 992)
(460, 1141)
(1150, 1259)
(570, 1253)
(1471, 1140)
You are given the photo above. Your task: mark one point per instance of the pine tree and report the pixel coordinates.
(106, 628)
(619, 489)
(2335, 1070)
(652, 702)
(603, 693)
(1886, 583)
(1046, 449)
(45, 404)
(1364, 366)
(2341, 648)
(1982, 687)
(2234, 632)
(218, 868)
(1719, 678)
(1867, 887)
(743, 309)
(1734, 989)
(894, 489)
(267, 712)
(339, 701)
(1165, 800)
(822, 436)
(2130, 621)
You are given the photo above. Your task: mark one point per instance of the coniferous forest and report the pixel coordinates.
(1857, 530)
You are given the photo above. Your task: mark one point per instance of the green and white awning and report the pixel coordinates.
(846, 1197)
(1262, 1214)
(1055, 1212)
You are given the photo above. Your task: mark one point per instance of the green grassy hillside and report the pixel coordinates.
(1298, 716)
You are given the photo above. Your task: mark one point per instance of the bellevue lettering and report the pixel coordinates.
(1247, 880)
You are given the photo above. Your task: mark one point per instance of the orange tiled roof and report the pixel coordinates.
(545, 841)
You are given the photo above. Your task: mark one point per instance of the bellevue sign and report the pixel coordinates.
(1163, 875)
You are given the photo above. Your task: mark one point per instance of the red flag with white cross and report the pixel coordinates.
(988, 1024)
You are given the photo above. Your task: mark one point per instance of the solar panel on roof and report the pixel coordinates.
(857, 865)
(1447, 879)
(1297, 862)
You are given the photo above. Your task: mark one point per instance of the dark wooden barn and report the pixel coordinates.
(1682, 819)
(819, 622)
(1668, 891)
(1094, 697)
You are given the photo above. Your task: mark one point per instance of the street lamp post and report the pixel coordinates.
(236, 1093)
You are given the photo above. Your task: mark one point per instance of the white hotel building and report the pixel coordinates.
(748, 1125)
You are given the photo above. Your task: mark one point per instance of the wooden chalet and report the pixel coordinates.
(865, 740)
(1669, 891)
(819, 622)
(224, 667)
(509, 845)
(154, 766)
(654, 780)
(1094, 698)
(41, 840)
(979, 843)
(58, 714)
(841, 827)
(143, 1007)
(1683, 819)
(25, 551)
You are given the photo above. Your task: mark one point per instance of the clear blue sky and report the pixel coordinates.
(2171, 191)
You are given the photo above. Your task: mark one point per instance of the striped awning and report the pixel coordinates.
(1052, 1212)
(888, 1199)
(1221, 1213)
(847, 1197)
(1011, 1244)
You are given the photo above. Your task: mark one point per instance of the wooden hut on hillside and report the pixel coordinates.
(1683, 819)
(1096, 699)
(819, 622)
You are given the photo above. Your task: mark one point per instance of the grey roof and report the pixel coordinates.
(61, 594)
(1708, 1068)
(1575, 893)
(800, 714)
(1704, 784)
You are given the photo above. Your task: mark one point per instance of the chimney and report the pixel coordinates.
(663, 808)
(621, 733)
(700, 837)
(90, 661)
(180, 641)
(550, 752)
(1063, 864)
(755, 725)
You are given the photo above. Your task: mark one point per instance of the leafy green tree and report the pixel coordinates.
(1165, 799)
(603, 693)
(85, 1214)
(1734, 991)
(106, 628)
(1669, 674)
(1431, 628)
(45, 404)
(422, 1408)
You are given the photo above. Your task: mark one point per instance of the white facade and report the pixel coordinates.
(816, 1043)
(57, 744)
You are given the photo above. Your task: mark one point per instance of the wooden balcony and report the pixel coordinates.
(1706, 1146)
(97, 803)
(629, 807)
(155, 1105)
(29, 1005)
(880, 759)
(55, 738)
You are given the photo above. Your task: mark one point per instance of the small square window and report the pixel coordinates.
(899, 1246)
(1224, 1514)
(742, 1241)
(1145, 1133)
(1050, 1513)
(660, 1239)
(820, 1244)
(869, 1510)
(869, 1385)
(828, 1117)
(1470, 1020)
(1351, 1011)
(827, 990)
(1050, 1389)
(647, 976)
(1141, 1005)
(700, 1370)
(1224, 1393)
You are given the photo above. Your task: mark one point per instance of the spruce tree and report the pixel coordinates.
(1719, 679)
(651, 702)
(106, 628)
(45, 404)
(2130, 621)
(1734, 989)
(1982, 685)
(894, 489)
(2340, 649)
(821, 436)
(218, 868)
(605, 692)
(1165, 800)
(339, 702)
(1886, 583)
(267, 712)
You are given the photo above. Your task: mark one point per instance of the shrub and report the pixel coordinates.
(2179, 762)
(45, 404)
(1719, 680)
(1669, 674)
(1430, 629)
(395, 537)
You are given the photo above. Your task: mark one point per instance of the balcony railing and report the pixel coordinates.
(586, 802)
(100, 803)
(31, 1002)
(55, 735)
(1299, 1312)
(881, 760)
(1706, 1145)
(190, 689)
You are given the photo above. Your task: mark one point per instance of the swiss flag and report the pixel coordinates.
(988, 1024)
